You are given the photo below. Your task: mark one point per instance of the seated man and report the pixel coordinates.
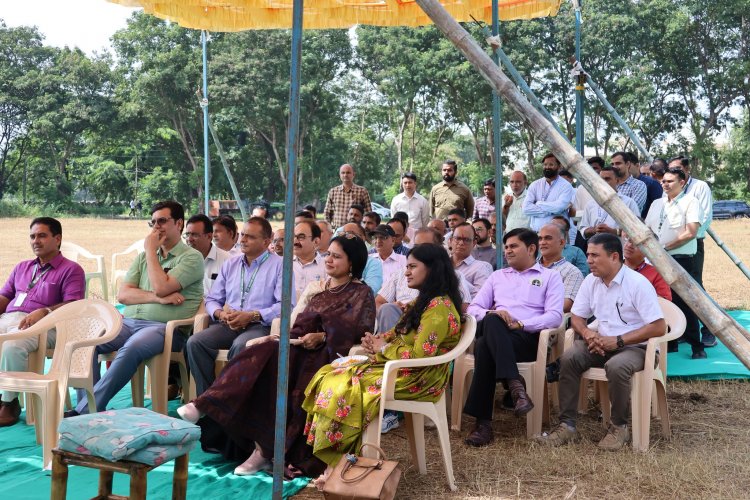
(384, 237)
(370, 221)
(513, 306)
(552, 239)
(635, 260)
(325, 237)
(399, 232)
(307, 264)
(356, 214)
(199, 235)
(595, 219)
(572, 253)
(625, 304)
(165, 282)
(475, 271)
(225, 234)
(277, 243)
(34, 288)
(484, 250)
(244, 300)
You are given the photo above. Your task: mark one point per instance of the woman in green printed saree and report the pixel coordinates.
(341, 402)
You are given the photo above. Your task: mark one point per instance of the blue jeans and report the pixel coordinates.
(138, 340)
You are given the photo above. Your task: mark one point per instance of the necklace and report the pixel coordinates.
(337, 289)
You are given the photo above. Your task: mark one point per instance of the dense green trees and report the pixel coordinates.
(112, 127)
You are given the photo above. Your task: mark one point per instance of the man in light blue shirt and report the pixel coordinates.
(548, 196)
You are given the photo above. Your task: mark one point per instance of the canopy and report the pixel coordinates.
(239, 15)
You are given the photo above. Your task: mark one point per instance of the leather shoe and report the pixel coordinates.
(699, 355)
(482, 435)
(9, 413)
(522, 404)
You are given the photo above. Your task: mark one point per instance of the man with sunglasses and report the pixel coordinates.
(199, 234)
(165, 282)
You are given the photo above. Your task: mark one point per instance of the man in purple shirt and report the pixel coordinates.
(35, 288)
(512, 307)
(243, 301)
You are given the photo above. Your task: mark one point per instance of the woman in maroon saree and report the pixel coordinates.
(240, 405)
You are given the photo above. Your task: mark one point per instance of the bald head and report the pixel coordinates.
(351, 227)
(438, 225)
(346, 174)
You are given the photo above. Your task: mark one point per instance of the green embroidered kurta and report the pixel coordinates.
(340, 403)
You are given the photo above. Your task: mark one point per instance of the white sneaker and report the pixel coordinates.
(390, 422)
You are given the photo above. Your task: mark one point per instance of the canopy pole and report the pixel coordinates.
(497, 143)
(580, 83)
(726, 328)
(206, 159)
(292, 149)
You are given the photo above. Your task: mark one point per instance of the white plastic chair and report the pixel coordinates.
(534, 373)
(643, 382)
(74, 252)
(119, 274)
(415, 411)
(80, 326)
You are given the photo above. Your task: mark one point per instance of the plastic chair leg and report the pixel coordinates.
(441, 422)
(415, 433)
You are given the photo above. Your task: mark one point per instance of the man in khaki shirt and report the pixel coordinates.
(450, 194)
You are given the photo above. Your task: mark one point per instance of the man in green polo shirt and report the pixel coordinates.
(164, 283)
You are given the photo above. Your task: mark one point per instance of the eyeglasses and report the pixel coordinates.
(187, 236)
(278, 240)
(301, 237)
(463, 240)
(160, 221)
(349, 235)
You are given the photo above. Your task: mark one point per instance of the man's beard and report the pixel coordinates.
(449, 178)
(620, 173)
(550, 173)
(482, 241)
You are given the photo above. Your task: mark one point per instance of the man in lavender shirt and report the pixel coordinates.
(243, 302)
(35, 288)
(513, 306)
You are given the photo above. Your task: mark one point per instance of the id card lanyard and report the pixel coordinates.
(246, 289)
(35, 278)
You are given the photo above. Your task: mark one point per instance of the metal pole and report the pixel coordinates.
(206, 159)
(580, 84)
(292, 148)
(723, 246)
(496, 116)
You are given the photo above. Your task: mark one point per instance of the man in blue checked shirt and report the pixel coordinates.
(626, 183)
(548, 196)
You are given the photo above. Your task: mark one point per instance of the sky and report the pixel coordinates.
(86, 24)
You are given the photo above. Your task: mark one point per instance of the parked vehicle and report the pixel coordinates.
(384, 213)
(731, 209)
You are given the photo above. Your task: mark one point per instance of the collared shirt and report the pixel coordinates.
(544, 201)
(373, 274)
(392, 264)
(60, 280)
(635, 189)
(516, 218)
(700, 190)
(653, 192)
(486, 254)
(575, 256)
(340, 200)
(396, 289)
(533, 296)
(401, 249)
(444, 197)
(582, 198)
(667, 219)
(570, 274)
(594, 214)
(212, 265)
(305, 274)
(182, 263)
(627, 304)
(483, 207)
(262, 294)
(415, 207)
(657, 281)
(475, 271)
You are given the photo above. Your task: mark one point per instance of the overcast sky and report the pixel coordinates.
(87, 24)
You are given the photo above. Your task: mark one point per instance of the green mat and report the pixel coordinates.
(209, 476)
(720, 364)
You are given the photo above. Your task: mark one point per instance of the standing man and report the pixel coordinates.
(484, 250)
(244, 300)
(626, 183)
(583, 197)
(450, 194)
(165, 282)
(199, 233)
(552, 240)
(341, 198)
(486, 204)
(675, 220)
(475, 271)
(548, 196)
(653, 187)
(410, 201)
(700, 190)
(34, 289)
(513, 216)
(308, 265)
(625, 304)
(383, 238)
(595, 219)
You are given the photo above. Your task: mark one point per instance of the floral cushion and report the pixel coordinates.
(135, 434)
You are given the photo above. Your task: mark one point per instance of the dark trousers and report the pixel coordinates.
(692, 334)
(700, 256)
(496, 351)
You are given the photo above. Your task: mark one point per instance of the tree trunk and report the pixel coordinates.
(728, 330)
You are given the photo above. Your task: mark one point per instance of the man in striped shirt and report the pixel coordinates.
(626, 183)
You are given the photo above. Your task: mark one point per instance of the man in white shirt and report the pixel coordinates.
(475, 271)
(307, 264)
(410, 201)
(383, 237)
(326, 233)
(594, 219)
(628, 312)
(513, 216)
(583, 197)
(199, 234)
(548, 196)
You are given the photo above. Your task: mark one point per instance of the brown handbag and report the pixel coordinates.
(360, 478)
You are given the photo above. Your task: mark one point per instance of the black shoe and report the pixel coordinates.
(482, 434)
(70, 413)
(709, 340)
(673, 348)
(506, 403)
(699, 355)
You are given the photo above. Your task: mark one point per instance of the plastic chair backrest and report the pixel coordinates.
(73, 252)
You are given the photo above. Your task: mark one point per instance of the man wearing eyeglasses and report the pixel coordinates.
(199, 233)
(474, 270)
(383, 237)
(165, 282)
(243, 302)
(308, 265)
(628, 314)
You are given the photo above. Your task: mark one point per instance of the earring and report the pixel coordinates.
(350, 272)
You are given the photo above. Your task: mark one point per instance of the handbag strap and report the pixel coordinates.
(378, 448)
(367, 468)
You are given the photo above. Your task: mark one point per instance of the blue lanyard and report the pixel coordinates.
(246, 289)
(34, 278)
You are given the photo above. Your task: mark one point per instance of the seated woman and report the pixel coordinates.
(241, 402)
(342, 402)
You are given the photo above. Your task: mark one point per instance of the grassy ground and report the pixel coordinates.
(706, 457)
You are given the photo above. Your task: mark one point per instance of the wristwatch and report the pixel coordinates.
(520, 324)
(620, 342)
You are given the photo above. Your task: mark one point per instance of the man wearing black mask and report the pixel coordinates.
(548, 196)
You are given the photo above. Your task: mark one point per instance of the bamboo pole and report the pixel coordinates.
(726, 328)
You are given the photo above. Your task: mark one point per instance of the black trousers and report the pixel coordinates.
(496, 352)
(700, 256)
(692, 334)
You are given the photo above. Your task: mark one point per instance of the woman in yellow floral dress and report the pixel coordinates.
(340, 403)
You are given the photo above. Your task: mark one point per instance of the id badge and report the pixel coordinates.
(20, 299)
